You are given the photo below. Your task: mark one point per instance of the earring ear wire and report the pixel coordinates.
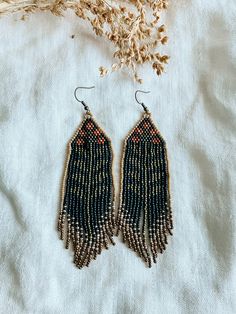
(141, 103)
(81, 101)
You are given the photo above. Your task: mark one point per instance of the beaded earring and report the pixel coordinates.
(144, 216)
(87, 207)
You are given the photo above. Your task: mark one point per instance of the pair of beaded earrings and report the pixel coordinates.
(87, 217)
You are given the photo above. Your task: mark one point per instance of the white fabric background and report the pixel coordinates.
(194, 107)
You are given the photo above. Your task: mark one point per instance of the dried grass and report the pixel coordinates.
(133, 27)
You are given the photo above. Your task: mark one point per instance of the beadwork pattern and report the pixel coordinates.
(87, 209)
(144, 216)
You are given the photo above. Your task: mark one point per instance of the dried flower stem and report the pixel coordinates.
(132, 26)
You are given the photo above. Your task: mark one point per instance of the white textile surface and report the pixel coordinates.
(193, 104)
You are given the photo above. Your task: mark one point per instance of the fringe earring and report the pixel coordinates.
(86, 215)
(144, 216)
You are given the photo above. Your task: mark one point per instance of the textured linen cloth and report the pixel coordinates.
(193, 104)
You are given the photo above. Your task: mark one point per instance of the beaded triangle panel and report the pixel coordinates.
(144, 216)
(86, 216)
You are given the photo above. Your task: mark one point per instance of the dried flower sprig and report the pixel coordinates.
(133, 26)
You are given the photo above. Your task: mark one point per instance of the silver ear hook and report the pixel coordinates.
(81, 101)
(139, 102)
